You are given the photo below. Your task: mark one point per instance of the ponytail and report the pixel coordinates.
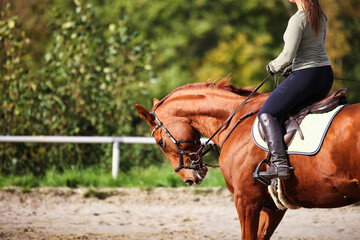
(314, 14)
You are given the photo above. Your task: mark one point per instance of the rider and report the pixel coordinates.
(310, 79)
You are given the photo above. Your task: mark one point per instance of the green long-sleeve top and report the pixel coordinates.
(303, 48)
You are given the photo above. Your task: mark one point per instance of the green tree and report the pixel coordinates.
(342, 42)
(92, 76)
(187, 35)
(14, 102)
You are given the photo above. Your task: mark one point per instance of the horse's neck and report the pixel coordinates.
(207, 112)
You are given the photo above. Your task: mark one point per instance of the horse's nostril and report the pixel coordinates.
(189, 182)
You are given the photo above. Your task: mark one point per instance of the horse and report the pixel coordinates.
(326, 180)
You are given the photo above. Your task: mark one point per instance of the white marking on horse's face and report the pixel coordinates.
(199, 177)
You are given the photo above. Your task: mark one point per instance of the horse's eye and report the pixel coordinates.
(161, 143)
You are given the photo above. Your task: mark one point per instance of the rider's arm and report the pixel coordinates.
(292, 39)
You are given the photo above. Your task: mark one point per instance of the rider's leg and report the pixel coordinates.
(301, 87)
(274, 138)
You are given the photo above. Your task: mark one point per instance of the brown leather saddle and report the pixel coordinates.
(292, 124)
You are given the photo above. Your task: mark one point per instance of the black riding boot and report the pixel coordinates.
(279, 167)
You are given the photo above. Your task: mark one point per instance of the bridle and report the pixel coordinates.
(194, 157)
(197, 163)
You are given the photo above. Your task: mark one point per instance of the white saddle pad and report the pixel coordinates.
(314, 128)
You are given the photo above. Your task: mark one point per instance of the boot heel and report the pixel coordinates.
(285, 174)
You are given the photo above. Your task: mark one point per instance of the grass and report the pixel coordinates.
(153, 176)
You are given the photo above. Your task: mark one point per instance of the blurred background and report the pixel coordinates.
(77, 68)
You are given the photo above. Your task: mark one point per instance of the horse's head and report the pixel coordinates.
(180, 143)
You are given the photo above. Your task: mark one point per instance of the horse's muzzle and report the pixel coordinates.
(199, 176)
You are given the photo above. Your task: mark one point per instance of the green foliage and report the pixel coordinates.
(90, 68)
(14, 101)
(200, 39)
(91, 78)
(246, 57)
(350, 17)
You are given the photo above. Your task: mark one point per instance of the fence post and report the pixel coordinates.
(115, 159)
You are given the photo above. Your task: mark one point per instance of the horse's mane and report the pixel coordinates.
(213, 83)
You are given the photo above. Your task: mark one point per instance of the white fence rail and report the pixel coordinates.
(116, 141)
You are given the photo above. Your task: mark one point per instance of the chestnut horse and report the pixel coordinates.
(326, 180)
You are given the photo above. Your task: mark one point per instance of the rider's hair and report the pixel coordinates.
(314, 14)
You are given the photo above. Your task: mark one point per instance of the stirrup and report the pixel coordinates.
(256, 175)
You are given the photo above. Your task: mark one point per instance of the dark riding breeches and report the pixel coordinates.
(303, 87)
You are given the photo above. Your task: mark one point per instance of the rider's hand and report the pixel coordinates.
(287, 71)
(269, 70)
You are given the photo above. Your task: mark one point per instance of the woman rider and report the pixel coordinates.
(310, 81)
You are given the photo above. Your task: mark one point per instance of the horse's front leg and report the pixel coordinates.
(248, 212)
(269, 220)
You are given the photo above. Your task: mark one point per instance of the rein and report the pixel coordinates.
(197, 163)
(237, 123)
(236, 110)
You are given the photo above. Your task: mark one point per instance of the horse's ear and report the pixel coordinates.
(156, 101)
(144, 114)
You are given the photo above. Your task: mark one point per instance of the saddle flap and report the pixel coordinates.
(326, 105)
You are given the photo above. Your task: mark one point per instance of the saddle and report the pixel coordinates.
(292, 124)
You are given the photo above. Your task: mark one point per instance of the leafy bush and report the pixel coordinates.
(92, 76)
